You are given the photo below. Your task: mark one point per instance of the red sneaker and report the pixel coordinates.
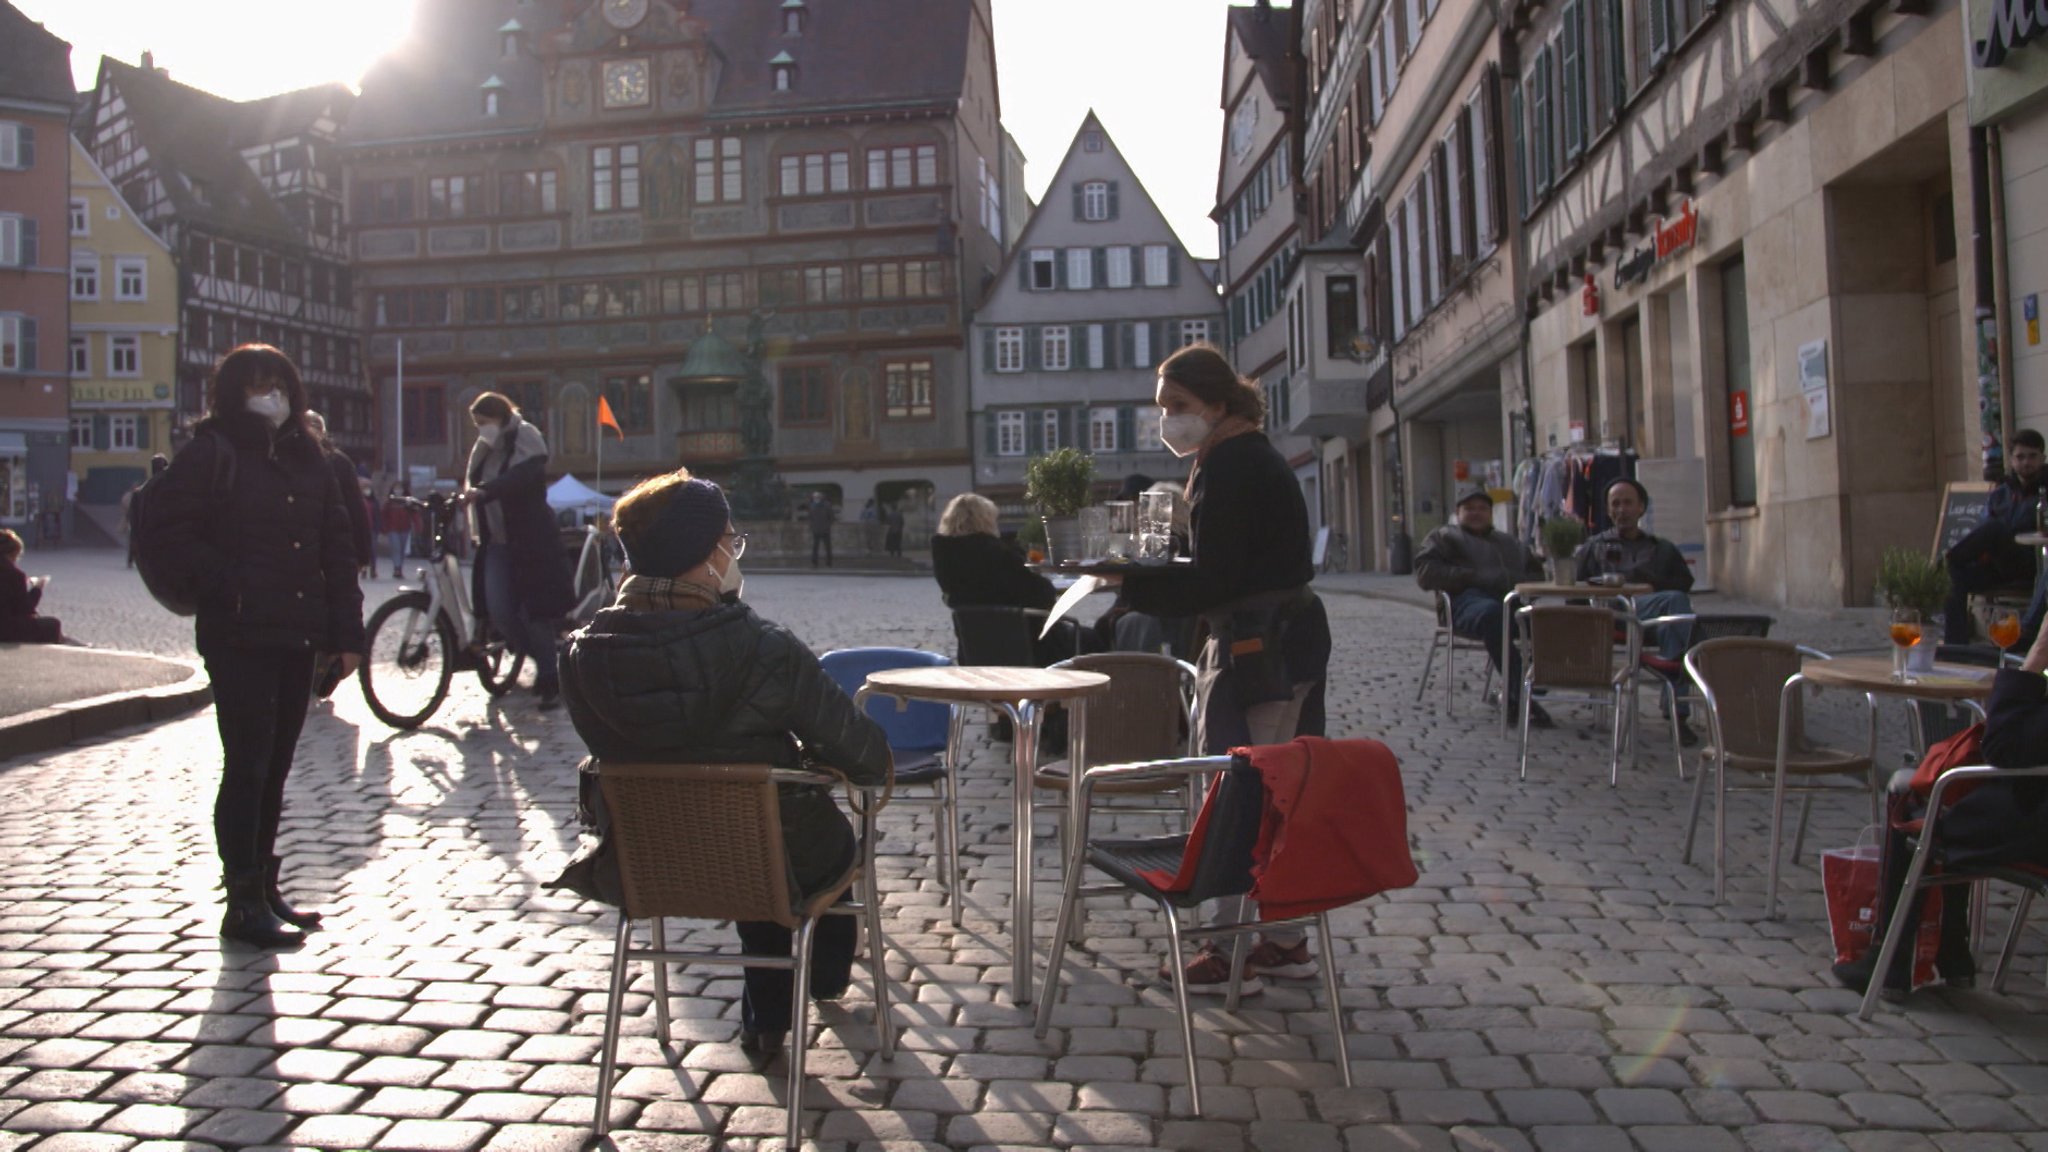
(1209, 971)
(1291, 963)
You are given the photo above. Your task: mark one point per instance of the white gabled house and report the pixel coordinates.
(1068, 341)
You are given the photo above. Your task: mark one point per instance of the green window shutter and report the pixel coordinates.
(1571, 57)
(1080, 206)
(1163, 342)
(29, 363)
(27, 145)
(1034, 431)
(988, 349)
(1660, 32)
(102, 432)
(30, 255)
(1172, 266)
(1059, 268)
(142, 424)
(1109, 343)
(1112, 200)
(1101, 261)
(1034, 351)
(1024, 270)
(988, 428)
(1126, 428)
(1519, 152)
(1127, 345)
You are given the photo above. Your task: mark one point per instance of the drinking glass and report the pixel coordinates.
(1123, 529)
(1155, 525)
(1094, 532)
(2005, 628)
(1905, 633)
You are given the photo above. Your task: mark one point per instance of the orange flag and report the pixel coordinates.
(605, 419)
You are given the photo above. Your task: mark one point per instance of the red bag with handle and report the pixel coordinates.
(1849, 880)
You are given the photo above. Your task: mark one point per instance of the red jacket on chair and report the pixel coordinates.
(1334, 830)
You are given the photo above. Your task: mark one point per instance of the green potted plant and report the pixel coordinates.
(1910, 578)
(1562, 536)
(1058, 482)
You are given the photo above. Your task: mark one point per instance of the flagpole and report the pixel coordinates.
(600, 456)
(398, 402)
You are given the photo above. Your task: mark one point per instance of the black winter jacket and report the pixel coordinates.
(271, 558)
(351, 488)
(980, 569)
(724, 686)
(2004, 821)
(540, 571)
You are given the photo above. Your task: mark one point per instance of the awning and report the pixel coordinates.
(13, 444)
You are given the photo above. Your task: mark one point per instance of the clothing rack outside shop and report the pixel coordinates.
(1568, 482)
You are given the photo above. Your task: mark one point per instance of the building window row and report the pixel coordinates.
(1099, 429)
(816, 174)
(903, 166)
(1079, 269)
(110, 432)
(1579, 80)
(1449, 218)
(1096, 201)
(17, 145)
(221, 260)
(1259, 299)
(18, 247)
(131, 277)
(18, 351)
(1251, 202)
(1070, 347)
(213, 334)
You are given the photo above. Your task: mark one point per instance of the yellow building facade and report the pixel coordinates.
(124, 332)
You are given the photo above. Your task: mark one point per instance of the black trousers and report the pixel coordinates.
(823, 847)
(824, 540)
(259, 698)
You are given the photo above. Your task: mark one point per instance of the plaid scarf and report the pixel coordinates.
(665, 594)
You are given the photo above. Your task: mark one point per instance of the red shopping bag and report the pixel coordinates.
(1849, 879)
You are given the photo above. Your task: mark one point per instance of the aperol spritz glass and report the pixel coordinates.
(1905, 632)
(2005, 628)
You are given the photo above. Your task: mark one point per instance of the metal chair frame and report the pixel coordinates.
(710, 904)
(1918, 878)
(1444, 640)
(1717, 750)
(1619, 681)
(1170, 906)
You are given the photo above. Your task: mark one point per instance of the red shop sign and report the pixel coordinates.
(1738, 413)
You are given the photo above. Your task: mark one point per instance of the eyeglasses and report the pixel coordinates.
(739, 543)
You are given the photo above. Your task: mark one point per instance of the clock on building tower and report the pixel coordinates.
(625, 83)
(623, 14)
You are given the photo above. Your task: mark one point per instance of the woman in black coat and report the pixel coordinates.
(681, 670)
(523, 574)
(977, 568)
(250, 523)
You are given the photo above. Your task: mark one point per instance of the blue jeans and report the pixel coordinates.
(533, 638)
(1671, 641)
(397, 541)
(1476, 616)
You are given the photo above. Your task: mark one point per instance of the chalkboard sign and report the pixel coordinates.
(1964, 505)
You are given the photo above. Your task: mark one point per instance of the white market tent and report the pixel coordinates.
(571, 493)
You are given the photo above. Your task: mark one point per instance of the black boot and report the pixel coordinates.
(1958, 968)
(249, 919)
(280, 907)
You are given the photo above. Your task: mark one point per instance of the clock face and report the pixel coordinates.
(624, 13)
(625, 83)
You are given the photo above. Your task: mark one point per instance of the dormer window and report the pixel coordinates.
(784, 69)
(794, 13)
(514, 34)
(493, 89)
(1091, 142)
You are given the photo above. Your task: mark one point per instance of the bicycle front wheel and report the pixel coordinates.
(498, 666)
(409, 663)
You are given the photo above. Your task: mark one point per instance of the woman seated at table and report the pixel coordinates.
(976, 567)
(1997, 822)
(680, 670)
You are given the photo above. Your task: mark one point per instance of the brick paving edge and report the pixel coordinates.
(61, 724)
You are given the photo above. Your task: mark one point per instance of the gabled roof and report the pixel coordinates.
(195, 140)
(34, 63)
(850, 55)
(1263, 33)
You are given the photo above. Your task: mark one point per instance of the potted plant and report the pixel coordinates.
(1910, 578)
(1562, 536)
(1058, 483)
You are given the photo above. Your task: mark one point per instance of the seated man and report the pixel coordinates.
(1627, 551)
(1988, 557)
(680, 670)
(1477, 567)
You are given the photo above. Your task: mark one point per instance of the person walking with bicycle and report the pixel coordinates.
(526, 585)
(250, 526)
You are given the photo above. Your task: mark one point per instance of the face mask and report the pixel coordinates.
(271, 405)
(488, 433)
(1184, 432)
(730, 582)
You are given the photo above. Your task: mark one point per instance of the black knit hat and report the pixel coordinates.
(682, 537)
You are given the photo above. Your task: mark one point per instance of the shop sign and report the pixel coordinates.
(1635, 267)
(1589, 297)
(2031, 307)
(1668, 238)
(1738, 413)
(2013, 23)
(120, 394)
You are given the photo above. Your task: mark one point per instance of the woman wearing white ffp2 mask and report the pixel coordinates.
(1260, 676)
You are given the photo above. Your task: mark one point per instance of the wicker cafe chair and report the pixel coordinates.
(704, 842)
(1442, 639)
(1672, 684)
(1756, 726)
(1568, 650)
(1926, 871)
(924, 739)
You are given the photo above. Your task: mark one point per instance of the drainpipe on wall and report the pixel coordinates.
(1510, 67)
(1985, 231)
(2000, 285)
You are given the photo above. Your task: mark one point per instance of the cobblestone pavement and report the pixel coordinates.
(1558, 980)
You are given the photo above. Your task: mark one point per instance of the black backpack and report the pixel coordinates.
(150, 560)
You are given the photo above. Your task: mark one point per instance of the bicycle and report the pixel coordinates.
(419, 639)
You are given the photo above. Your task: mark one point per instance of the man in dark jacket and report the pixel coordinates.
(1633, 556)
(1477, 567)
(521, 575)
(1988, 557)
(821, 513)
(680, 670)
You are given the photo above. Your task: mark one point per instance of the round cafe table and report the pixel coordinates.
(1948, 683)
(1020, 693)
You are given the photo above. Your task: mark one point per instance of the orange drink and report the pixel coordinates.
(1907, 635)
(2005, 629)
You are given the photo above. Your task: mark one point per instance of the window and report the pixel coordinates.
(785, 76)
(1457, 194)
(903, 167)
(1340, 314)
(1080, 268)
(131, 278)
(815, 174)
(681, 295)
(907, 389)
(792, 21)
(480, 305)
(1095, 200)
(1009, 349)
(824, 284)
(1479, 180)
(384, 201)
(526, 193)
(1055, 348)
(491, 103)
(615, 178)
(631, 396)
(17, 242)
(1044, 269)
(804, 401)
(81, 433)
(1102, 430)
(1141, 345)
(17, 145)
(453, 197)
(527, 303)
(81, 356)
(18, 344)
(124, 356)
(1119, 267)
(1572, 55)
(1411, 230)
(597, 299)
(426, 414)
(1193, 332)
(85, 277)
(724, 290)
(121, 433)
(1049, 428)
(1148, 430)
(902, 279)
(1095, 355)
(718, 170)
(1158, 266)
(1010, 433)
(81, 218)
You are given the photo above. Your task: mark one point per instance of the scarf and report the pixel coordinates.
(661, 594)
(1228, 428)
